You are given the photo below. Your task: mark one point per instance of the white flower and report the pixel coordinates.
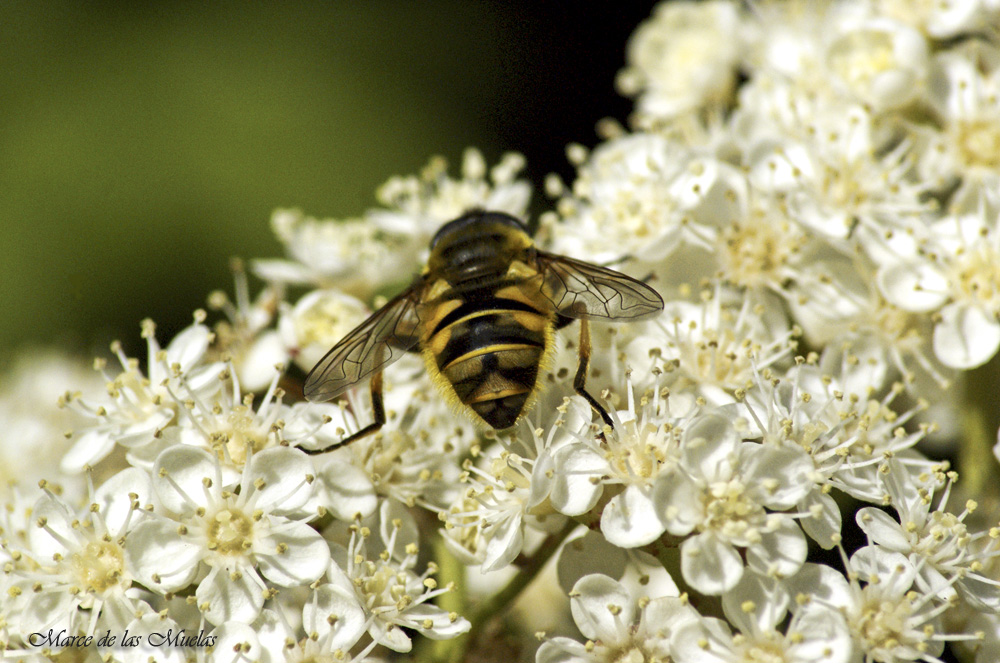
(153, 636)
(651, 194)
(506, 495)
(717, 496)
(757, 608)
(245, 336)
(333, 618)
(142, 406)
(319, 320)
(233, 544)
(880, 343)
(837, 174)
(791, 43)
(391, 595)
(888, 618)
(619, 625)
(880, 62)
(419, 205)
(683, 61)
(847, 438)
(938, 543)
(231, 426)
(588, 552)
(350, 254)
(32, 419)
(943, 19)
(627, 461)
(72, 573)
(268, 640)
(413, 458)
(956, 274)
(964, 87)
(713, 348)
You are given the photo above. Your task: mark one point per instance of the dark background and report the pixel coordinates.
(144, 145)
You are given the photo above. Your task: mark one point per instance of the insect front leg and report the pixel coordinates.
(580, 381)
(378, 409)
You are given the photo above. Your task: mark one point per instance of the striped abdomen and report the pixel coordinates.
(489, 349)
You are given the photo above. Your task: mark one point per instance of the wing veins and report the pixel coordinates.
(582, 290)
(377, 342)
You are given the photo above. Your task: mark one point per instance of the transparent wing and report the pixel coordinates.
(581, 290)
(375, 343)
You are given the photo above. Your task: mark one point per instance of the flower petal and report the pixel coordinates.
(629, 519)
(562, 650)
(292, 554)
(965, 337)
(916, 286)
(435, 623)
(769, 600)
(348, 489)
(709, 564)
(160, 557)
(88, 449)
(678, 502)
(602, 609)
(504, 543)
(823, 522)
(778, 475)
(883, 529)
(709, 448)
(230, 595)
(285, 474)
(825, 637)
(337, 611)
(235, 643)
(573, 492)
(179, 476)
(115, 501)
(780, 551)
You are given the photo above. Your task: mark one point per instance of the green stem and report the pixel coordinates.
(495, 605)
(980, 418)
(450, 570)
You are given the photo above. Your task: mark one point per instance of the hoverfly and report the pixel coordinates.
(483, 313)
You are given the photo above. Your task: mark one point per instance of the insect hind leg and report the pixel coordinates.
(580, 381)
(378, 410)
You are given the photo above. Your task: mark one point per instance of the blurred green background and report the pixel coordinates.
(143, 145)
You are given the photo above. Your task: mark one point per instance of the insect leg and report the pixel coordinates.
(580, 381)
(378, 409)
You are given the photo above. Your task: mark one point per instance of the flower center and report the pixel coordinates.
(229, 532)
(242, 435)
(383, 587)
(861, 56)
(978, 143)
(977, 274)
(899, 326)
(942, 528)
(865, 433)
(762, 649)
(729, 509)
(882, 625)
(631, 655)
(638, 452)
(326, 321)
(755, 253)
(99, 566)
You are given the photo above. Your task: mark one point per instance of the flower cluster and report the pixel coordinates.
(814, 190)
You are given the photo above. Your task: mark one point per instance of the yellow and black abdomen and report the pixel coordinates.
(490, 350)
